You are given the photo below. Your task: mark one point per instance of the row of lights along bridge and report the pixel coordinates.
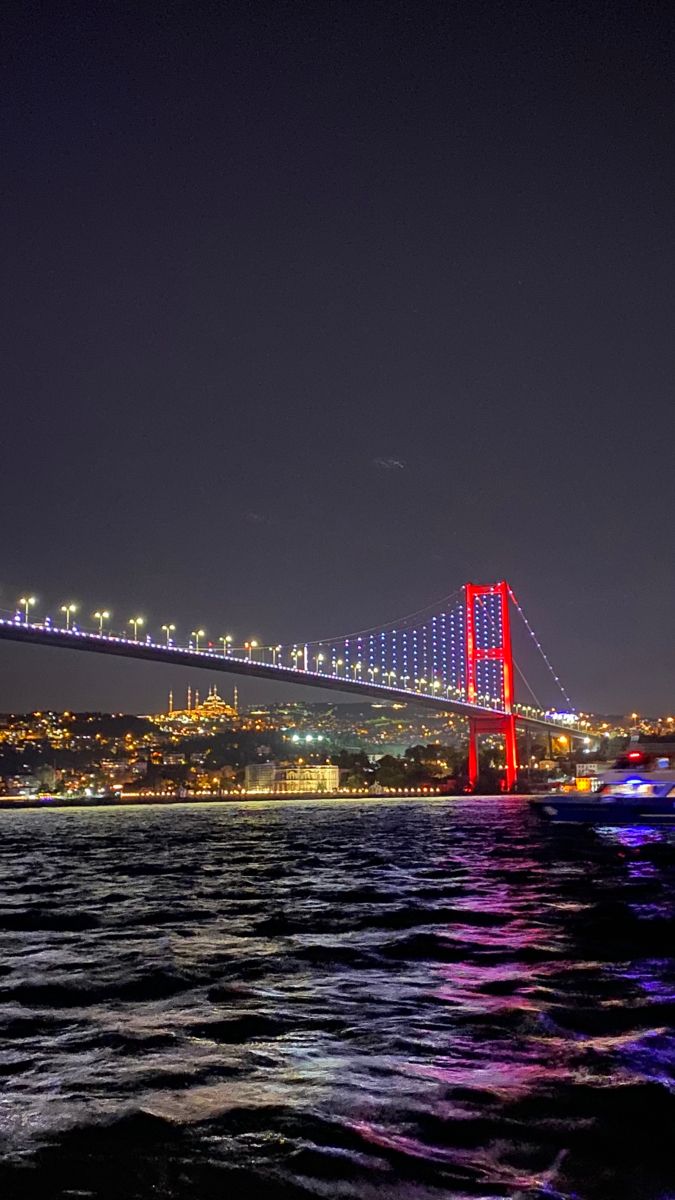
(102, 617)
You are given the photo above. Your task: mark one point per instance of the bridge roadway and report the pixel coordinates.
(213, 660)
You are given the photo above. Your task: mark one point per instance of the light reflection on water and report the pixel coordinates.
(346, 998)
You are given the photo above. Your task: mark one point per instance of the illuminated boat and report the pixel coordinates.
(639, 789)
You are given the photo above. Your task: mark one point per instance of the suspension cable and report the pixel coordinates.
(529, 688)
(540, 648)
(390, 625)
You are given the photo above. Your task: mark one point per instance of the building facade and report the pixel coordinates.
(296, 779)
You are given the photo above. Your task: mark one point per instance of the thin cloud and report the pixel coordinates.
(389, 464)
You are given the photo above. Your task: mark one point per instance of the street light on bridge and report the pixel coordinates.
(250, 646)
(275, 650)
(318, 659)
(197, 634)
(26, 602)
(136, 621)
(373, 671)
(68, 609)
(389, 675)
(167, 630)
(227, 643)
(356, 668)
(101, 616)
(339, 662)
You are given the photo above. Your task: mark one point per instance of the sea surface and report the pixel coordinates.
(412, 1000)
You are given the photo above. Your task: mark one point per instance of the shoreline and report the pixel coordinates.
(20, 803)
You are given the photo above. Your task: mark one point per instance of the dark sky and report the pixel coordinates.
(253, 252)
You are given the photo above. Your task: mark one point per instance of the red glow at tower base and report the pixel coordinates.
(507, 727)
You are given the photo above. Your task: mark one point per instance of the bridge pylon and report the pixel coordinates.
(488, 648)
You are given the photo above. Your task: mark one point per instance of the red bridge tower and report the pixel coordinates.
(488, 641)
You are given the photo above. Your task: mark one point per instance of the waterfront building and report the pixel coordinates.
(291, 778)
(589, 775)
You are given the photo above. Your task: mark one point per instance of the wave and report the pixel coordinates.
(152, 985)
(39, 920)
(241, 1029)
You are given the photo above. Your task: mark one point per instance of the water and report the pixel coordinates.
(335, 999)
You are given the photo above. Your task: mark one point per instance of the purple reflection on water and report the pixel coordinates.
(633, 836)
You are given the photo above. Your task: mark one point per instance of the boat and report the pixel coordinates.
(639, 789)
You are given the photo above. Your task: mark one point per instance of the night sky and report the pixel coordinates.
(315, 311)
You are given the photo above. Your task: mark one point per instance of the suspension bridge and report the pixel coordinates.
(456, 655)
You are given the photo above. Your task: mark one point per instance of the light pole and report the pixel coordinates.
(389, 675)
(227, 642)
(356, 667)
(136, 621)
(68, 609)
(250, 646)
(101, 616)
(318, 659)
(405, 680)
(26, 602)
(167, 630)
(197, 634)
(373, 671)
(275, 650)
(339, 662)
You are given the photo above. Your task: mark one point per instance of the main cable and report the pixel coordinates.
(540, 648)
(389, 626)
(529, 688)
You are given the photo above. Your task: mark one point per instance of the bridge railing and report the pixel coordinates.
(417, 688)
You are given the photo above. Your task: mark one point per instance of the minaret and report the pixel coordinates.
(197, 698)
(170, 701)
(235, 700)
(189, 698)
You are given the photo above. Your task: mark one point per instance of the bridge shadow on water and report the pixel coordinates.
(347, 999)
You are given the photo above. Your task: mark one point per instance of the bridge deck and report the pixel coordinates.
(212, 660)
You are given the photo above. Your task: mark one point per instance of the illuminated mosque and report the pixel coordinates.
(213, 709)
